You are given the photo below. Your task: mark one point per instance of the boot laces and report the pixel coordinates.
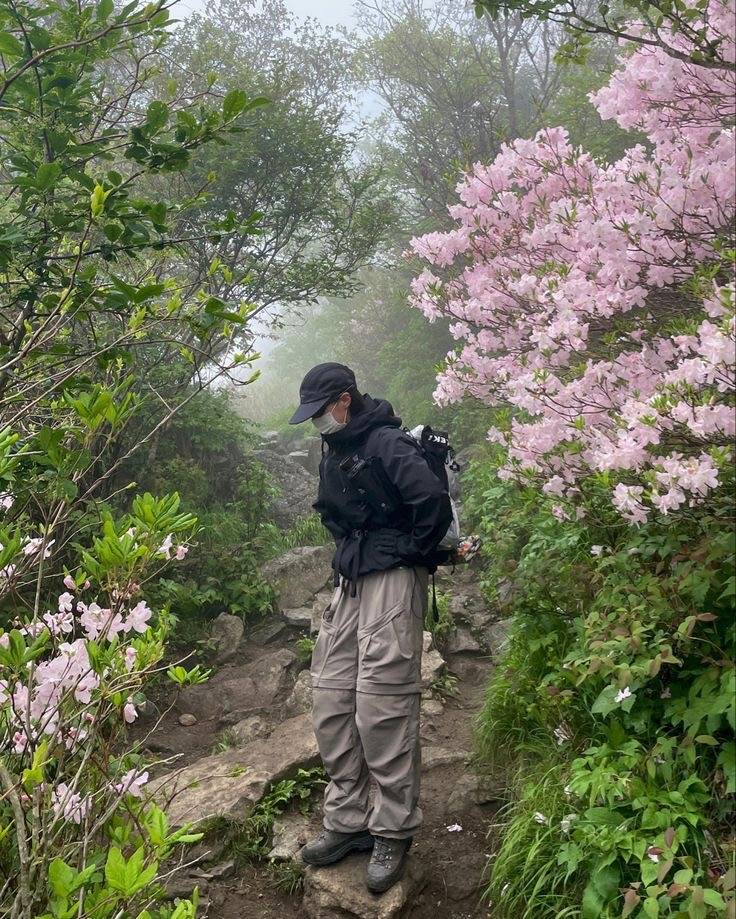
(383, 851)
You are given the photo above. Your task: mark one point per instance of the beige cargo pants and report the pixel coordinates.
(366, 676)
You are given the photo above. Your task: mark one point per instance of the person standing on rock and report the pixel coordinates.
(388, 512)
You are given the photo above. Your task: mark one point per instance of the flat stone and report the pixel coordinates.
(300, 698)
(301, 617)
(223, 870)
(230, 784)
(290, 833)
(432, 666)
(267, 631)
(187, 719)
(432, 757)
(339, 891)
(226, 633)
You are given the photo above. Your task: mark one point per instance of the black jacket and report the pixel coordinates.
(414, 520)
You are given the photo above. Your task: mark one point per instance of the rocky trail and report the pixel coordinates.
(223, 745)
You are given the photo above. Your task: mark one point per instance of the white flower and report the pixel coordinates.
(566, 822)
(33, 545)
(166, 545)
(454, 828)
(622, 694)
(561, 734)
(568, 791)
(596, 550)
(6, 501)
(666, 693)
(540, 818)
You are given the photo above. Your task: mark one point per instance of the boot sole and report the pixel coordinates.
(355, 845)
(382, 886)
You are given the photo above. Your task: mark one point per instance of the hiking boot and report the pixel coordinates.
(330, 846)
(387, 863)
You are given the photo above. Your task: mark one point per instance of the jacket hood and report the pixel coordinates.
(377, 413)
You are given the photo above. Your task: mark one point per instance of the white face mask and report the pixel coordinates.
(326, 423)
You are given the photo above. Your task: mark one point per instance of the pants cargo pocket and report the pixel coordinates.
(390, 648)
(322, 648)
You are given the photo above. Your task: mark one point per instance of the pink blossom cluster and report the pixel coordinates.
(59, 700)
(563, 283)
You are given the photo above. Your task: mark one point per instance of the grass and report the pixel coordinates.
(525, 879)
(305, 531)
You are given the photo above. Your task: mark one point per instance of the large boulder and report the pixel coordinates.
(245, 688)
(230, 784)
(226, 632)
(433, 664)
(299, 574)
(339, 891)
(296, 486)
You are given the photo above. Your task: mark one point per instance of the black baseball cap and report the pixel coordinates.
(323, 384)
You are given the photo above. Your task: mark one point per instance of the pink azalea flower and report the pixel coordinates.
(132, 783)
(138, 618)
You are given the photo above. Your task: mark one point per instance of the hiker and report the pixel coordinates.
(388, 512)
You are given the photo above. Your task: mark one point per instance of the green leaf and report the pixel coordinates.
(234, 103)
(157, 115)
(10, 46)
(650, 906)
(47, 174)
(61, 878)
(104, 8)
(115, 873)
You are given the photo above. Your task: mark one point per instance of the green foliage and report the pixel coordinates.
(664, 18)
(181, 677)
(306, 531)
(444, 686)
(621, 661)
(305, 648)
(252, 838)
(443, 626)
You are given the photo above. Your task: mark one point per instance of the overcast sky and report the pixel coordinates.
(329, 12)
